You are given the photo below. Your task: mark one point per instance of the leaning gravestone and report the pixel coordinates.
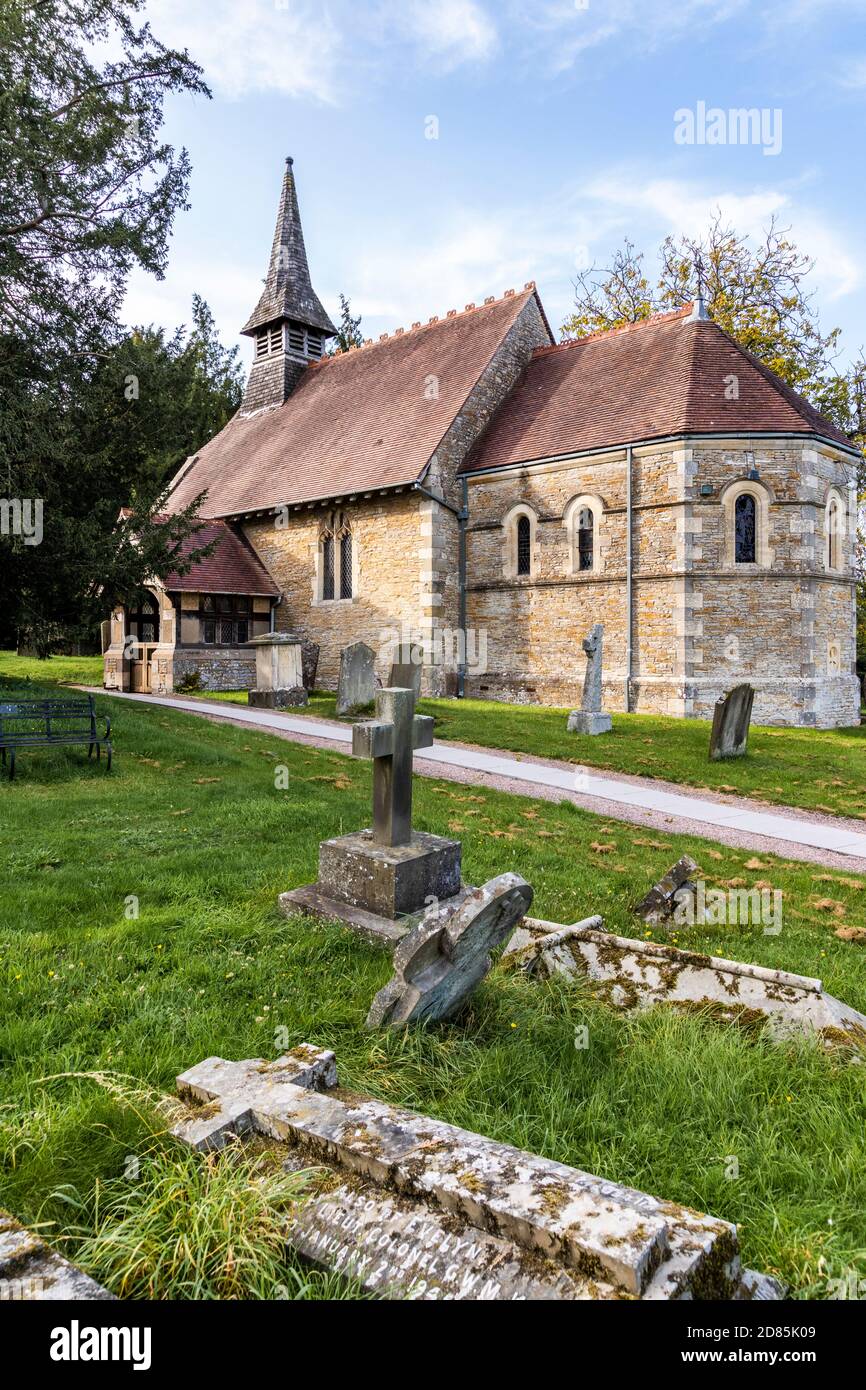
(357, 685)
(440, 962)
(413, 1208)
(731, 717)
(589, 719)
(372, 877)
(664, 897)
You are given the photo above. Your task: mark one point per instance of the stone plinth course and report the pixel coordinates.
(415, 1208)
(627, 974)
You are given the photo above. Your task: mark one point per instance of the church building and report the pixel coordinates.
(473, 488)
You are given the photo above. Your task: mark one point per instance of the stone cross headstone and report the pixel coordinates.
(731, 717)
(390, 741)
(357, 685)
(414, 1208)
(371, 878)
(589, 719)
(440, 962)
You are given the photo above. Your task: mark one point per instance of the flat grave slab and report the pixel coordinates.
(413, 1207)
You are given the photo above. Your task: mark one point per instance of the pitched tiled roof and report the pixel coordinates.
(233, 568)
(665, 376)
(362, 420)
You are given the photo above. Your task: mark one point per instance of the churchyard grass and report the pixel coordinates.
(190, 831)
(816, 769)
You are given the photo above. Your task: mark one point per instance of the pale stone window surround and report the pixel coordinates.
(835, 523)
(763, 552)
(509, 533)
(571, 520)
(333, 528)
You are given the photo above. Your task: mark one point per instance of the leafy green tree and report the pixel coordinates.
(349, 333)
(88, 190)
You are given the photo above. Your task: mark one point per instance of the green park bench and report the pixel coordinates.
(48, 723)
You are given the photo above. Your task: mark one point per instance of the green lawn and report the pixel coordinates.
(817, 769)
(191, 825)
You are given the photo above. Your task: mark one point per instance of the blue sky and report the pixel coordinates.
(556, 139)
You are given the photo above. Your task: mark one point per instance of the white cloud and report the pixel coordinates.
(658, 207)
(448, 32)
(256, 45)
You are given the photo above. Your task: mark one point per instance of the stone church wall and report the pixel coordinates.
(701, 623)
(387, 542)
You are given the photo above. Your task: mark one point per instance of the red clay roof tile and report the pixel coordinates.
(664, 376)
(356, 422)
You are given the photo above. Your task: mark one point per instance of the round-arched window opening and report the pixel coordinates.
(745, 529)
(585, 538)
(524, 549)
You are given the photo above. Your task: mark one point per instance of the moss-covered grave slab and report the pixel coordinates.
(415, 1208)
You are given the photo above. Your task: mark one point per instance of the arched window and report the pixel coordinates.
(524, 545)
(835, 526)
(745, 529)
(585, 539)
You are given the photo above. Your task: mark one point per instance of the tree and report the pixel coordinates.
(349, 333)
(128, 421)
(756, 294)
(88, 189)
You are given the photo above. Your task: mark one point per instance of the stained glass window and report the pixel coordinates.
(524, 558)
(744, 529)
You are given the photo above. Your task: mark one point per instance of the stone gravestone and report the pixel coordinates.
(279, 671)
(662, 900)
(589, 719)
(371, 878)
(731, 717)
(357, 685)
(414, 1208)
(440, 962)
(406, 675)
(309, 662)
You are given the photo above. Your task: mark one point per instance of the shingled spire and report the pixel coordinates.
(289, 324)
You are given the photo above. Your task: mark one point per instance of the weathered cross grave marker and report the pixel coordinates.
(372, 877)
(440, 962)
(589, 719)
(732, 714)
(390, 741)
